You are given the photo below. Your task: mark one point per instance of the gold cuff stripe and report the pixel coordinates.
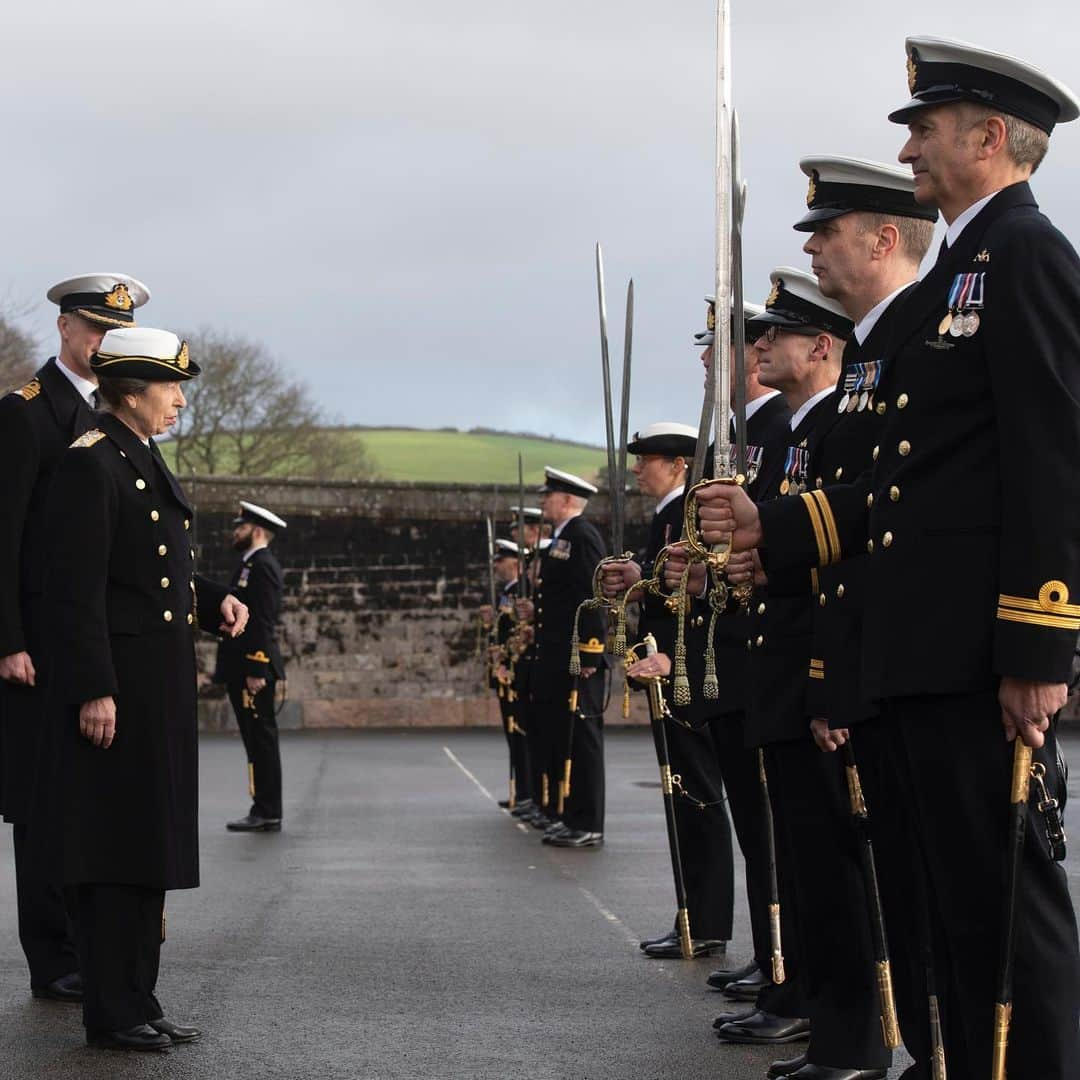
(818, 527)
(1022, 603)
(815, 583)
(1035, 618)
(815, 674)
(593, 645)
(817, 663)
(830, 522)
(259, 657)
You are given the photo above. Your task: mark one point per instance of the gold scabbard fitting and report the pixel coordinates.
(855, 792)
(1002, 1021)
(566, 778)
(251, 780)
(890, 1024)
(778, 974)
(665, 779)
(1021, 776)
(686, 943)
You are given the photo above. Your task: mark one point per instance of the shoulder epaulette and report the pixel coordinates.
(94, 435)
(30, 390)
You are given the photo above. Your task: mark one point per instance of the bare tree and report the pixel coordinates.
(246, 417)
(17, 355)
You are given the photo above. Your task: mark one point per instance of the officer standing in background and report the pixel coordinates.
(250, 665)
(37, 423)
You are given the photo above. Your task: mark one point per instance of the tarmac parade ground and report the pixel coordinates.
(402, 927)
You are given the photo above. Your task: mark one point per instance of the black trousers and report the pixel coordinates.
(46, 932)
(942, 803)
(119, 951)
(739, 772)
(704, 834)
(514, 728)
(811, 807)
(258, 729)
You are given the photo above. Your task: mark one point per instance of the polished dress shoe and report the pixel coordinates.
(671, 935)
(765, 1029)
(747, 989)
(719, 979)
(177, 1033)
(254, 823)
(575, 838)
(523, 809)
(556, 828)
(504, 804)
(66, 988)
(140, 1037)
(732, 1017)
(538, 820)
(672, 950)
(780, 1069)
(828, 1072)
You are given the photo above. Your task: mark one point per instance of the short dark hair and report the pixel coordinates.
(916, 234)
(114, 388)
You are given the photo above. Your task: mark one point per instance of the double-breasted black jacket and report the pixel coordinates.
(123, 601)
(37, 424)
(969, 513)
(259, 583)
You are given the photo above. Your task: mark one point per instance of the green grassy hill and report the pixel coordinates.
(457, 456)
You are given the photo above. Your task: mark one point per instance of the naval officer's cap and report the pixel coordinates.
(840, 185)
(505, 549)
(557, 480)
(533, 515)
(105, 299)
(941, 71)
(666, 439)
(705, 337)
(796, 303)
(141, 352)
(252, 514)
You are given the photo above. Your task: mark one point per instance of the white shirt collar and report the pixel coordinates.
(807, 405)
(870, 319)
(84, 387)
(559, 528)
(753, 406)
(952, 234)
(670, 497)
(251, 550)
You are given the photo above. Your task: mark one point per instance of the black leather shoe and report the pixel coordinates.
(254, 823)
(504, 804)
(672, 950)
(671, 935)
(141, 1037)
(732, 1017)
(556, 828)
(177, 1033)
(66, 988)
(780, 1069)
(765, 1029)
(827, 1072)
(575, 838)
(725, 976)
(538, 820)
(523, 809)
(748, 989)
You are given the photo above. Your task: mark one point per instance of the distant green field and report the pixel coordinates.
(452, 457)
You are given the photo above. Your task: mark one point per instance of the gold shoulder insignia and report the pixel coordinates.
(30, 390)
(94, 435)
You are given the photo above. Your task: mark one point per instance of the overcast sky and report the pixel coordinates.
(401, 198)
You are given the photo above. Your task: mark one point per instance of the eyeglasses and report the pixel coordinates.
(774, 331)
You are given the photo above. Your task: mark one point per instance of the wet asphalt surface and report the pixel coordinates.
(403, 927)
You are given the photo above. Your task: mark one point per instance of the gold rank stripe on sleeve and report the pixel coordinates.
(259, 657)
(815, 583)
(817, 669)
(88, 438)
(824, 525)
(30, 390)
(593, 645)
(1051, 609)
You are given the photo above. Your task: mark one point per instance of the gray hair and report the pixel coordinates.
(1025, 143)
(114, 388)
(916, 234)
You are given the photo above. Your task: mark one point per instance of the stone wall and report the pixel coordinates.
(382, 583)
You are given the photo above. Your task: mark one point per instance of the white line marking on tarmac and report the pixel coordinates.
(457, 761)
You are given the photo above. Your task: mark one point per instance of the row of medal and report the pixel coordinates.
(796, 466)
(753, 461)
(966, 295)
(860, 382)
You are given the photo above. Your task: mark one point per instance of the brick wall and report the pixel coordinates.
(382, 583)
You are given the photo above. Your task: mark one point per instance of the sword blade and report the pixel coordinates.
(605, 366)
(491, 559)
(738, 200)
(619, 528)
(722, 331)
(697, 467)
(523, 589)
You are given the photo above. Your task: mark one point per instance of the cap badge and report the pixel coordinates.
(182, 358)
(912, 72)
(771, 299)
(710, 317)
(811, 193)
(119, 298)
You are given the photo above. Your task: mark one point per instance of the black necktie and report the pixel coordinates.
(942, 251)
(95, 400)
